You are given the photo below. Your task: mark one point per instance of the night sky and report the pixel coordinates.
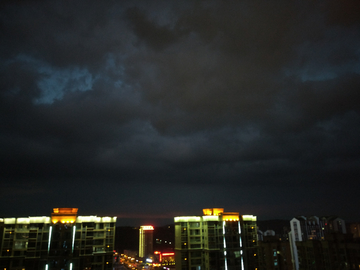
(151, 109)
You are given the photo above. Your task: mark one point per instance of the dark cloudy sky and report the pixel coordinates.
(151, 109)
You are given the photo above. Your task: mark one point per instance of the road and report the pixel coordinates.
(119, 267)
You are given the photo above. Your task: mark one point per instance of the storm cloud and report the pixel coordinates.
(133, 108)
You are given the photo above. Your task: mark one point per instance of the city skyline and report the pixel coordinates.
(147, 110)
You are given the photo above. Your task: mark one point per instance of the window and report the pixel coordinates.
(32, 235)
(9, 235)
(196, 254)
(195, 239)
(22, 236)
(194, 224)
(194, 232)
(196, 261)
(21, 245)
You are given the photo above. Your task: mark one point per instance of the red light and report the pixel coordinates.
(169, 254)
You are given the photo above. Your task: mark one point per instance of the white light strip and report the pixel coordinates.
(224, 245)
(70, 266)
(224, 235)
(242, 263)
(9, 220)
(187, 219)
(40, 220)
(249, 218)
(23, 221)
(240, 234)
(211, 218)
(46, 267)
(50, 231)
(73, 239)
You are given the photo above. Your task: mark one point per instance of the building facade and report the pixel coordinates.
(217, 240)
(355, 230)
(63, 241)
(146, 241)
(308, 239)
(274, 253)
(336, 251)
(165, 260)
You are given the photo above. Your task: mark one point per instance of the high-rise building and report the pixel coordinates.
(217, 240)
(274, 253)
(63, 241)
(309, 233)
(146, 241)
(355, 229)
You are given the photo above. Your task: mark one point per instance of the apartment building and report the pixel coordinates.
(62, 241)
(217, 240)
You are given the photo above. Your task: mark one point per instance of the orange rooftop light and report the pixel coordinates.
(65, 210)
(64, 215)
(213, 211)
(230, 216)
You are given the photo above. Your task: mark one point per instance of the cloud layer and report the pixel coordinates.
(167, 107)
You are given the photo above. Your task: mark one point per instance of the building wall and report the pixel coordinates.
(355, 229)
(146, 241)
(322, 243)
(250, 242)
(40, 243)
(274, 254)
(215, 242)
